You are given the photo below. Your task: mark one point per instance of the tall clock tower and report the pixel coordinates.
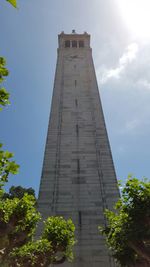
(78, 177)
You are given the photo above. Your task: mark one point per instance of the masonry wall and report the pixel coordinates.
(78, 177)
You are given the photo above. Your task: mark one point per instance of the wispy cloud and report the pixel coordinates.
(143, 84)
(132, 125)
(128, 56)
(129, 127)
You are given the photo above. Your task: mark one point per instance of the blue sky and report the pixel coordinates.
(121, 54)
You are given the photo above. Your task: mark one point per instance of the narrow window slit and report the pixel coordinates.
(78, 166)
(76, 102)
(75, 82)
(77, 130)
(80, 218)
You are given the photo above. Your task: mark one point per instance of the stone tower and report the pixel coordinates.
(78, 176)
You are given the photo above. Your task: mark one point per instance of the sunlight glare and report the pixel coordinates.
(136, 14)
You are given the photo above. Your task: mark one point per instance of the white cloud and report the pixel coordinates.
(132, 125)
(143, 84)
(128, 56)
(129, 127)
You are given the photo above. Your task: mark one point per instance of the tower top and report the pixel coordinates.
(74, 40)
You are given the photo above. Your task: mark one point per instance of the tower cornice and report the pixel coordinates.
(84, 38)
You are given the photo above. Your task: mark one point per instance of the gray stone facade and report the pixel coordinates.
(78, 177)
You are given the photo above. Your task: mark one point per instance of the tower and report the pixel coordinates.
(78, 176)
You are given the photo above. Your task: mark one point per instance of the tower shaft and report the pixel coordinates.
(78, 177)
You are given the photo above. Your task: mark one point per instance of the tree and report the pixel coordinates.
(12, 2)
(4, 95)
(55, 245)
(18, 192)
(7, 166)
(128, 230)
(18, 220)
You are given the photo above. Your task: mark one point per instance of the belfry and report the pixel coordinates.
(78, 177)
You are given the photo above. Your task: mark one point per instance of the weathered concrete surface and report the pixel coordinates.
(78, 177)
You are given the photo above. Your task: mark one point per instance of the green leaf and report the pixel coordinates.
(7, 166)
(4, 95)
(12, 2)
(128, 228)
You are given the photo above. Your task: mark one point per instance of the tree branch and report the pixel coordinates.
(141, 250)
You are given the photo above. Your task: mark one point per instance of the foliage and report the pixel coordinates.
(54, 247)
(18, 221)
(17, 248)
(128, 230)
(3, 71)
(18, 192)
(33, 254)
(60, 233)
(4, 95)
(7, 166)
(12, 2)
(18, 218)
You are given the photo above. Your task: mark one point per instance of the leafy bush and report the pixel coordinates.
(128, 230)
